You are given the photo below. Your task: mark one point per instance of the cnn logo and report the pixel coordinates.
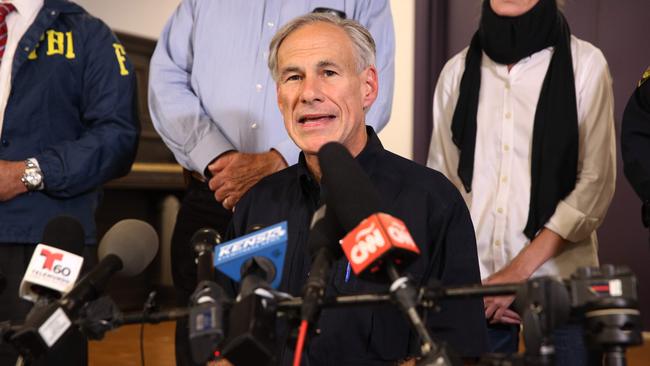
(368, 243)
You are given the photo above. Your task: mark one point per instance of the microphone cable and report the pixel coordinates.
(148, 307)
(300, 343)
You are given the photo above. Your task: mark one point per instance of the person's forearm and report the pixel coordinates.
(543, 247)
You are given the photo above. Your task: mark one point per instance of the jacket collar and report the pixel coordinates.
(62, 6)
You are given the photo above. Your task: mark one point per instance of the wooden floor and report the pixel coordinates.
(122, 347)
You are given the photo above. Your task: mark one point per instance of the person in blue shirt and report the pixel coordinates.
(213, 101)
(68, 124)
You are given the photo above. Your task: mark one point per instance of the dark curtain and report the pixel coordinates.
(430, 56)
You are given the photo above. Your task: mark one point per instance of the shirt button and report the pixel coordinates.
(508, 115)
(253, 125)
(500, 210)
(507, 86)
(270, 24)
(497, 242)
(258, 87)
(504, 179)
(5, 143)
(506, 147)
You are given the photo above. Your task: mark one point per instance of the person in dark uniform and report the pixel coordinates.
(635, 143)
(68, 124)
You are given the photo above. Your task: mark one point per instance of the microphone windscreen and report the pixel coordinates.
(206, 236)
(349, 191)
(65, 233)
(135, 242)
(325, 233)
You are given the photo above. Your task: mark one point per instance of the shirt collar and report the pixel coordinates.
(366, 158)
(25, 7)
(502, 70)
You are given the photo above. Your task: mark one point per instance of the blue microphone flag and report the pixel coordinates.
(270, 242)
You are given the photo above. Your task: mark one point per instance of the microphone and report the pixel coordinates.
(375, 240)
(260, 251)
(203, 242)
(380, 240)
(324, 249)
(255, 260)
(126, 249)
(56, 262)
(206, 303)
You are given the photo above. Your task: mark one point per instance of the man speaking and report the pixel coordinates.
(326, 81)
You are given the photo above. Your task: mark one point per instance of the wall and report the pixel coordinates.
(146, 18)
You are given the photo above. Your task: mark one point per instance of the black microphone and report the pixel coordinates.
(353, 198)
(126, 249)
(324, 249)
(259, 258)
(206, 303)
(203, 242)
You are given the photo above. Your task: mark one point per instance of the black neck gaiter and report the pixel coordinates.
(509, 39)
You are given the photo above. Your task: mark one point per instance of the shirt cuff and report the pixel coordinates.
(208, 148)
(289, 151)
(35, 162)
(571, 224)
(52, 170)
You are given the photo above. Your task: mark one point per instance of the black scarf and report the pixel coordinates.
(554, 160)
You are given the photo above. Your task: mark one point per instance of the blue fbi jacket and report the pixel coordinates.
(72, 107)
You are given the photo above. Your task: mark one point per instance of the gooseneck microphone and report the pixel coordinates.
(126, 249)
(324, 248)
(376, 242)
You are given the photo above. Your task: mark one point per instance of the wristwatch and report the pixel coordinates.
(33, 176)
(645, 213)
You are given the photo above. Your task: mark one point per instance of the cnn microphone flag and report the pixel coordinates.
(373, 238)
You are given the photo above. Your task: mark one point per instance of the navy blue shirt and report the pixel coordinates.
(440, 224)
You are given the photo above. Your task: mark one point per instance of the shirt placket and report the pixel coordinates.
(505, 150)
(262, 79)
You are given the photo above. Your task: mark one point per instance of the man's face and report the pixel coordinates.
(321, 95)
(512, 8)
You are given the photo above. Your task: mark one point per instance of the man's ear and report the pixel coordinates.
(370, 86)
(277, 95)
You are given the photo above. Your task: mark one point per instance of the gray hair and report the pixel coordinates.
(362, 41)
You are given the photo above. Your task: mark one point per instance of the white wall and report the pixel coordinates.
(397, 136)
(146, 18)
